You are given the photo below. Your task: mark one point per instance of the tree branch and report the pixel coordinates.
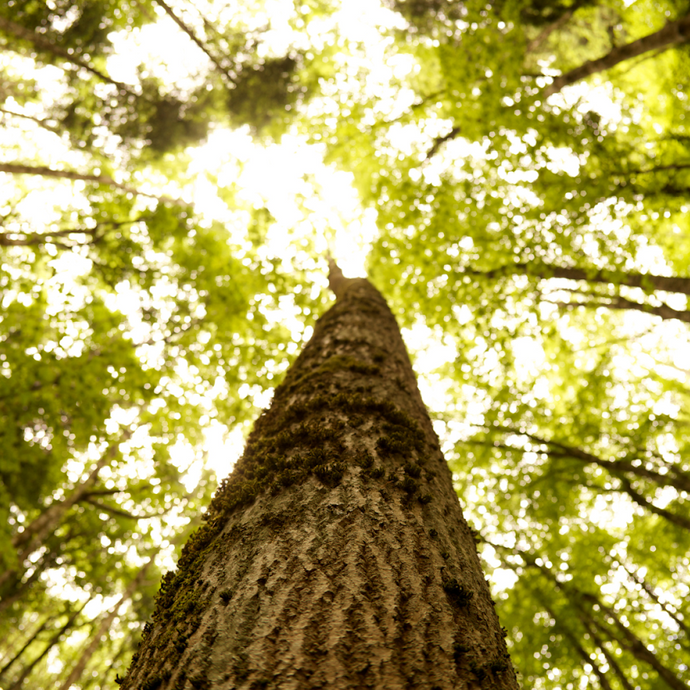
(674, 33)
(118, 512)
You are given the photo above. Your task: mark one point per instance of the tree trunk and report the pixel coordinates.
(33, 536)
(26, 672)
(663, 311)
(336, 554)
(671, 476)
(543, 271)
(18, 587)
(190, 33)
(610, 659)
(588, 607)
(627, 639)
(672, 34)
(7, 666)
(103, 627)
(44, 171)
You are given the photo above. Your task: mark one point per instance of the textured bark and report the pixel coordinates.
(336, 554)
(674, 33)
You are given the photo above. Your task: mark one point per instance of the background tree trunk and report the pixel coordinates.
(35, 533)
(44, 171)
(336, 554)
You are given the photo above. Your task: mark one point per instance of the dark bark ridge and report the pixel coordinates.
(335, 555)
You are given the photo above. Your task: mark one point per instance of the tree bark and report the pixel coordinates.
(672, 34)
(336, 554)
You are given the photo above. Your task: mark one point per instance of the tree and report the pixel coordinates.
(540, 243)
(336, 553)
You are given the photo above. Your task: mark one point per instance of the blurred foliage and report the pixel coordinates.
(542, 240)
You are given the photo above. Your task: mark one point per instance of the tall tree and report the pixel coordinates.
(672, 34)
(336, 553)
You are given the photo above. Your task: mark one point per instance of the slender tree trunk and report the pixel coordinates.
(624, 635)
(663, 311)
(536, 269)
(18, 587)
(610, 659)
(190, 33)
(547, 31)
(35, 533)
(52, 642)
(644, 502)
(587, 659)
(32, 638)
(106, 679)
(42, 43)
(336, 554)
(642, 583)
(103, 627)
(627, 639)
(672, 34)
(673, 477)
(37, 120)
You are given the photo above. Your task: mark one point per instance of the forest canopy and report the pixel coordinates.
(513, 176)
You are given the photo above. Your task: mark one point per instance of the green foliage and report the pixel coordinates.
(514, 227)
